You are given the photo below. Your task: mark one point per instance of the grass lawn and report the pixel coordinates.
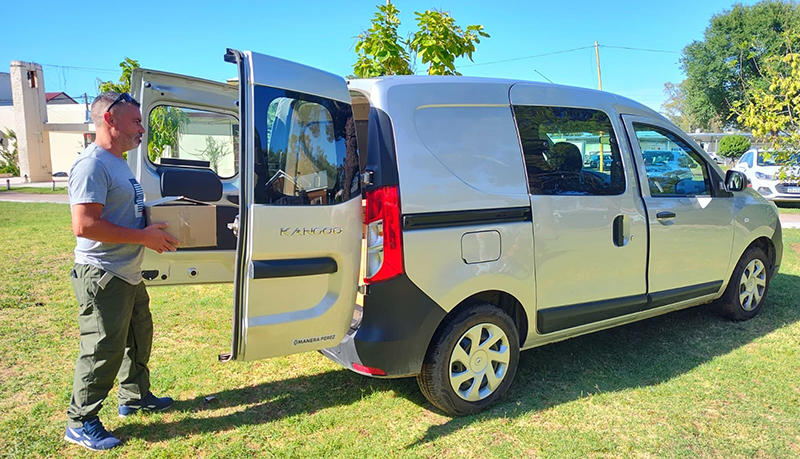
(35, 190)
(789, 208)
(688, 384)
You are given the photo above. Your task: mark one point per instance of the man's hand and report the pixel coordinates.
(155, 239)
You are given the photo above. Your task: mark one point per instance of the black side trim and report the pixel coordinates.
(466, 218)
(184, 162)
(561, 318)
(684, 293)
(270, 269)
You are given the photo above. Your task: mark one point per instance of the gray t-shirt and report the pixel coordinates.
(98, 176)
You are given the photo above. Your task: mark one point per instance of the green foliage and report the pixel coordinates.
(9, 154)
(124, 84)
(165, 125)
(675, 107)
(438, 42)
(731, 58)
(773, 112)
(381, 51)
(214, 151)
(733, 146)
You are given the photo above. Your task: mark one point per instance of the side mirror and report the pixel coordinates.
(735, 181)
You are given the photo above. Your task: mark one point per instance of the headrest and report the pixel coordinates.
(566, 157)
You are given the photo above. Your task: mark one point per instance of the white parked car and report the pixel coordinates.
(763, 173)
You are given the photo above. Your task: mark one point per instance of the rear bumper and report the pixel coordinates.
(398, 323)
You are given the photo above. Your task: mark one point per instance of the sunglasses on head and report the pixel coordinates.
(124, 97)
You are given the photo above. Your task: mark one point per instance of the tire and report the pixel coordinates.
(747, 290)
(456, 374)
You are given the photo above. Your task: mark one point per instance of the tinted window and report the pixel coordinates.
(673, 168)
(186, 136)
(570, 151)
(748, 159)
(306, 149)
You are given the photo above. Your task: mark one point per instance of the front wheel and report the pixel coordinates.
(747, 289)
(471, 362)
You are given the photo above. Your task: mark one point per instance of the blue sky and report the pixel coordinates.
(77, 42)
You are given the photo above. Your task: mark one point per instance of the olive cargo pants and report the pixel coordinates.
(116, 337)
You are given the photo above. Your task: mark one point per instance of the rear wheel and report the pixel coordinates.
(747, 289)
(472, 361)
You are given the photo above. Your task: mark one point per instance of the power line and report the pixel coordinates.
(628, 48)
(640, 49)
(82, 68)
(528, 57)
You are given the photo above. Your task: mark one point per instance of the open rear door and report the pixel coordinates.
(300, 217)
(190, 148)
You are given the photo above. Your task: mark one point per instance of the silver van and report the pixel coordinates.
(436, 226)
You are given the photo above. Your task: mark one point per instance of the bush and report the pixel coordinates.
(9, 157)
(732, 146)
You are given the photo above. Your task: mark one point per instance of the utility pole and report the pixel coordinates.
(597, 56)
(600, 86)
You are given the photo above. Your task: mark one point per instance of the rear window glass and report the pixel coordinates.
(306, 149)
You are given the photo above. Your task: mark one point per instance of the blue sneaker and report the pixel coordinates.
(149, 403)
(92, 436)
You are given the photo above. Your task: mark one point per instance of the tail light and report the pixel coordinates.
(384, 235)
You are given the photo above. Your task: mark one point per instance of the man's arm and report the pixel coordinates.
(86, 223)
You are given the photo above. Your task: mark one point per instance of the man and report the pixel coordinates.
(114, 316)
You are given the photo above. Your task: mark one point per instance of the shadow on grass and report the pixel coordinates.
(640, 354)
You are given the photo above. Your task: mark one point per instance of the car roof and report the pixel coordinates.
(517, 91)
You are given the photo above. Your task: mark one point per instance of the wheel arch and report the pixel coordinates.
(768, 246)
(504, 301)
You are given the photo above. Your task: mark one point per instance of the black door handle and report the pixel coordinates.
(661, 215)
(619, 231)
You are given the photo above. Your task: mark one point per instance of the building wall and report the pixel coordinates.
(7, 120)
(5, 89)
(64, 146)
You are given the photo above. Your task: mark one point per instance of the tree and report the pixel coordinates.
(438, 42)
(733, 146)
(124, 84)
(165, 122)
(675, 108)
(214, 151)
(9, 155)
(773, 112)
(731, 55)
(380, 49)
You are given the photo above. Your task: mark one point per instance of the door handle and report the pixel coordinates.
(619, 231)
(664, 215)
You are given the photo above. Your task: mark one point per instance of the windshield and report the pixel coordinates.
(774, 160)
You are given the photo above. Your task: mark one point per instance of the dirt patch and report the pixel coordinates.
(796, 247)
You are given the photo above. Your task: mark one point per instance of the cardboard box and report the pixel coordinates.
(194, 223)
